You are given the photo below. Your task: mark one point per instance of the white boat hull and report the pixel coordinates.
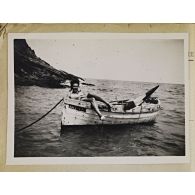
(72, 114)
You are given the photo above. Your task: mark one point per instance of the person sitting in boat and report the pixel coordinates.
(75, 93)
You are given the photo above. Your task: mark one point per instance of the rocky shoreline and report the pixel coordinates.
(29, 69)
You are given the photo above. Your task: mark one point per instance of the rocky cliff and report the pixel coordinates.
(29, 69)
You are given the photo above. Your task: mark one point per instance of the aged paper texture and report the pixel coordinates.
(119, 28)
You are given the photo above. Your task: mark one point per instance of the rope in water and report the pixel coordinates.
(21, 130)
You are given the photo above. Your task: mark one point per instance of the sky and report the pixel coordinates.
(148, 60)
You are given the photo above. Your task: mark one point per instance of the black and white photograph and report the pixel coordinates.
(97, 98)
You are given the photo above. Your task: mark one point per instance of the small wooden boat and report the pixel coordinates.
(76, 112)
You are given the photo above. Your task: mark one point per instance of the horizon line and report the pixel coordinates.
(133, 81)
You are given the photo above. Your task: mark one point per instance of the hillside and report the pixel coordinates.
(29, 69)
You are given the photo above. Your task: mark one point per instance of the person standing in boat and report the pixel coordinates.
(75, 93)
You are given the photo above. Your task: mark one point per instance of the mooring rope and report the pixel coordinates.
(21, 130)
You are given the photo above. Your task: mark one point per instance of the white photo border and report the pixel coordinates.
(11, 160)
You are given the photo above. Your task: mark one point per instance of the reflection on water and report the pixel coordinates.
(45, 139)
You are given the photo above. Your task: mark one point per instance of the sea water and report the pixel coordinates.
(166, 137)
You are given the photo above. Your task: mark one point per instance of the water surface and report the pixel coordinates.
(166, 137)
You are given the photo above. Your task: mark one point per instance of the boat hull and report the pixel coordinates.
(74, 115)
